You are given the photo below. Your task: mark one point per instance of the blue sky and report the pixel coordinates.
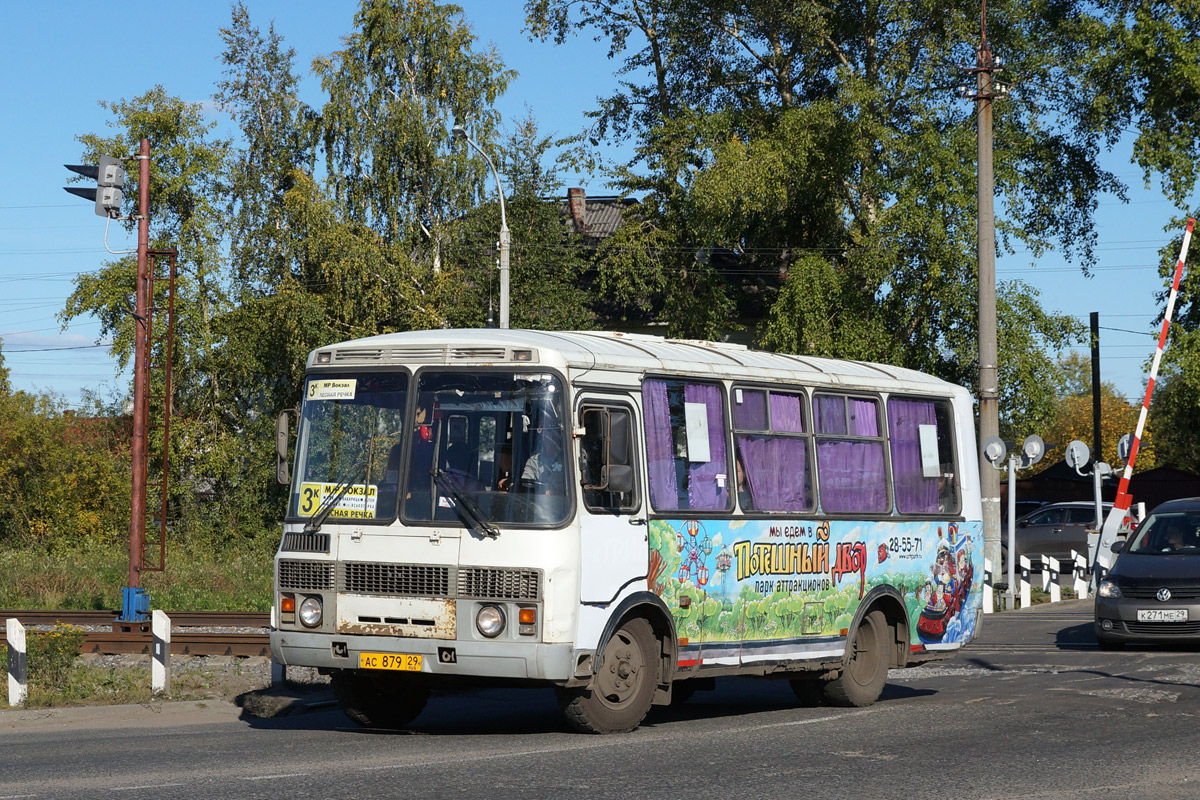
(55, 77)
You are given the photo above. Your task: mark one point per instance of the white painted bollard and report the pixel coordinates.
(160, 665)
(988, 607)
(1055, 589)
(1026, 568)
(1045, 575)
(1078, 571)
(18, 666)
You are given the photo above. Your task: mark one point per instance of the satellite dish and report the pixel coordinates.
(1078, 454)
(994, 450)
(1124, 446)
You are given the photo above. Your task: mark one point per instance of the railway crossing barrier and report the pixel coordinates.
(18, 668)
(1050, 567)
(988, 602)
(1026, 568)
(160, 664)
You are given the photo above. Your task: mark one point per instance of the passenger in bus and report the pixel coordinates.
(543, 470)
(504, 469)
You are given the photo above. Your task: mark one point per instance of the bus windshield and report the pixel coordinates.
(490, 443)
(350, 446)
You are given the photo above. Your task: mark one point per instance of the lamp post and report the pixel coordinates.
(460, 133)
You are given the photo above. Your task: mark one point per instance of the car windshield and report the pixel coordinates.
(349, 447)
(490, 444)
(1169, 532)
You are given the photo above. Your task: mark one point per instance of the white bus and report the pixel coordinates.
(622, 517)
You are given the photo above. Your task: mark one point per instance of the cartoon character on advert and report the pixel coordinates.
(948, 586)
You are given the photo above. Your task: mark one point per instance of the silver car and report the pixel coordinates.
(1053, 530)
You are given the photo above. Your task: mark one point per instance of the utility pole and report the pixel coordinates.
(987, 90)
(460, 132)
(135, 605)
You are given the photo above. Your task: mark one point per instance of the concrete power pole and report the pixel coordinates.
(987, 90)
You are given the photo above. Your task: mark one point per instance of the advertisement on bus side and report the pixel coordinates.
(742, 590)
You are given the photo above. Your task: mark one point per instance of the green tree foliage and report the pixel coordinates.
(823, 148)
(64, 475)
(405, 77)
(1031, 384)
(1073, 417)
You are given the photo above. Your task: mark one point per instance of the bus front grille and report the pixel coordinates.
(405, 580)
(306, 575)
(499, 584)
(413, 580)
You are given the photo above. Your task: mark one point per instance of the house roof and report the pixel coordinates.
(595, 218)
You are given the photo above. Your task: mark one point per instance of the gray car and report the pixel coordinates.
(1053, 530)
(1152, 593)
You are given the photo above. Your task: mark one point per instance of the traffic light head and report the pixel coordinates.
(109, 193)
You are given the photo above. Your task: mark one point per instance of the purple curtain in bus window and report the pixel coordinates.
(704, 493)
(751, 413)
(915, 493)
(660, 452)
(776, 469)
(831, 414)
(785, 413)
(864, 419)
(851, 476)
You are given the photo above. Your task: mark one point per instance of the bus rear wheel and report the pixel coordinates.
(863, 678)
(623, 687)
(373, 704)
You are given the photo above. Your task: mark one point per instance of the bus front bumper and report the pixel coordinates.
(535, 661)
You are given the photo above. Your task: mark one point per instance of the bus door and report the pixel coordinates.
(612, 532)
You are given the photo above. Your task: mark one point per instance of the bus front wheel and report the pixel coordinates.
(375, 705)
(864, 676)
(623, 686)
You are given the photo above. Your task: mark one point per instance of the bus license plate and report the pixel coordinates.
(400, 661)
(1162, 615)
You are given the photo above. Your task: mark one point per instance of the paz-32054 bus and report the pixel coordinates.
(622, 517)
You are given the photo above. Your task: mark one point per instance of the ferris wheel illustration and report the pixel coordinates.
(694, 547)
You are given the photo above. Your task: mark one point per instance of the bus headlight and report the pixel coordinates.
(310, 612)
(490, 621)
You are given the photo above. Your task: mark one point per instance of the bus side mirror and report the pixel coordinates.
(620, 478)
(282, 425)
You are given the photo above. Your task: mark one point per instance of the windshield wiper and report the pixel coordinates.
(331, 501)
(464, 505)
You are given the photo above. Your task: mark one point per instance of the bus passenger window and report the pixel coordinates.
(923, 468)
(685, 445)
(772, 451)
(850, 458)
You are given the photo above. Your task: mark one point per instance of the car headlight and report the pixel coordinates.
(310, 612)
(1109, 589)
(490, 621)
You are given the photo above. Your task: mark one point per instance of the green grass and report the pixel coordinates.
(235, 578)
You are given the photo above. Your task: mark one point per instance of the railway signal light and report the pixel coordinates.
(109, 175)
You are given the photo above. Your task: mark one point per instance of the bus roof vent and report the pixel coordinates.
(357, 355)
(417, 353)
(478, 354)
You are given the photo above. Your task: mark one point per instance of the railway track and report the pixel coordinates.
(194, 633)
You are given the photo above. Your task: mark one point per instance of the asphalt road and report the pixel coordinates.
(1032, 710)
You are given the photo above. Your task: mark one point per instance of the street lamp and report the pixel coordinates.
(460, 133)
